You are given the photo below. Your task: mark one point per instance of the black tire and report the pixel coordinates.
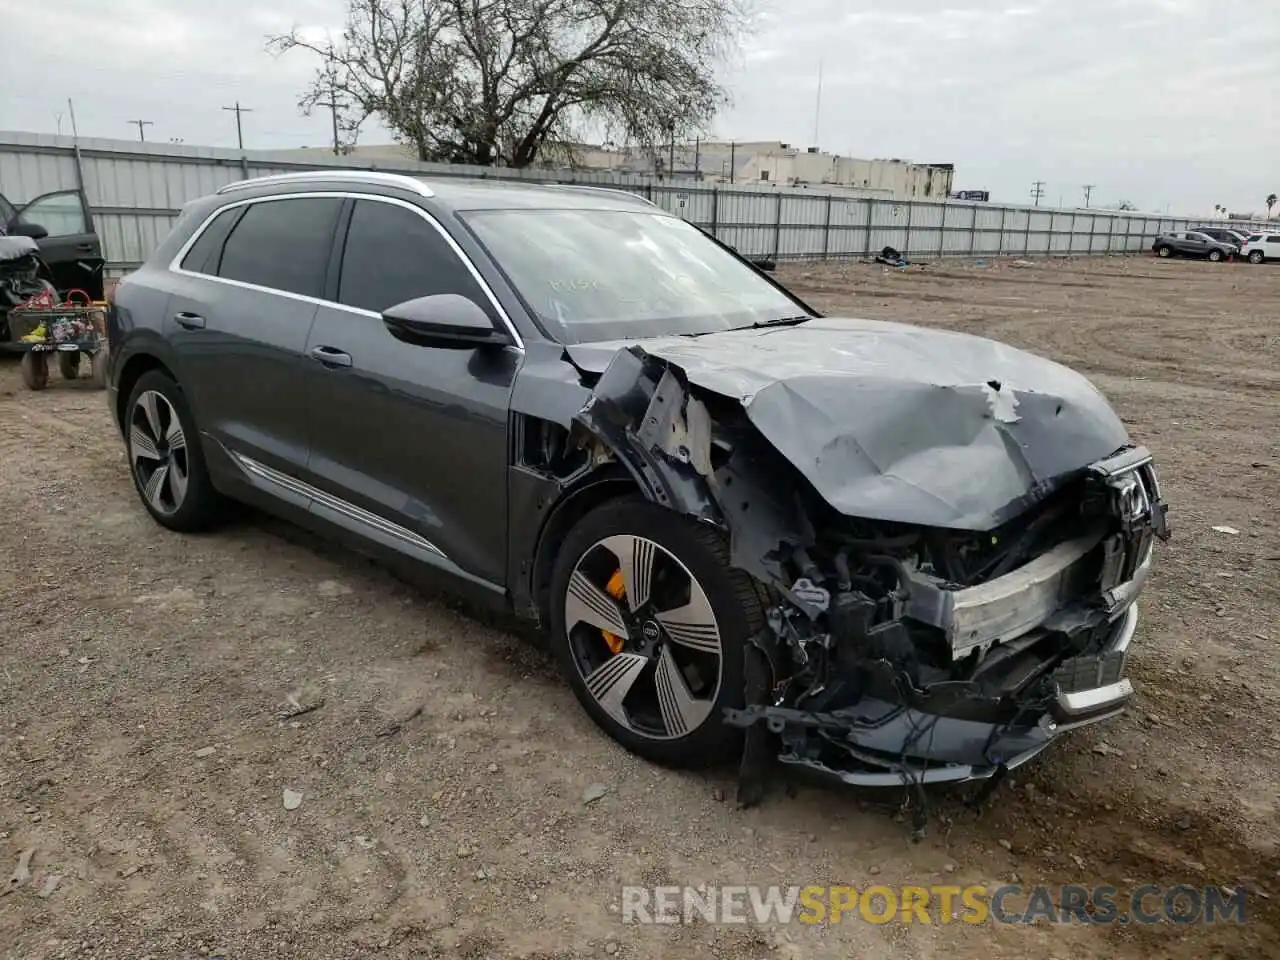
(69, 365)
(1256, 256)
(1165, 252)
(200, 504)
(1215, 255)
(35, 370)
(734, 598)
(98, 368)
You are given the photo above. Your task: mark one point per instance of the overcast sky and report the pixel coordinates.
(1161, 102)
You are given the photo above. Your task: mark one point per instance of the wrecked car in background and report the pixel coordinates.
(887, 554)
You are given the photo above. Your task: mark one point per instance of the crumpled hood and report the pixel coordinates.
(900, 423)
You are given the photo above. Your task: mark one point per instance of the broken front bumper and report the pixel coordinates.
(927, 748)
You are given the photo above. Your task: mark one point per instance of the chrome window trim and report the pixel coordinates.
(175, 265)
(355, 176)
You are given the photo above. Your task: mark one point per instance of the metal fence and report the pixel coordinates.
(135, 191)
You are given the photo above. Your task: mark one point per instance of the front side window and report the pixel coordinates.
(283, 244)
(393, 254)
(593, 275)
(62, 214)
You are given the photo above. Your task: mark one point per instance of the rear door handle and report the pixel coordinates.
(189, 321)
(331, 357)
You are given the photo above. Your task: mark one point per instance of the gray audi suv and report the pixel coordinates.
(888, 554)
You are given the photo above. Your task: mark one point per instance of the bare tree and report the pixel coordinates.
(478, 81)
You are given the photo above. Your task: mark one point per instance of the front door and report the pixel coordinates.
(72, 250)
(413, 438)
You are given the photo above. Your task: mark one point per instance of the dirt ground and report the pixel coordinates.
(142, 675)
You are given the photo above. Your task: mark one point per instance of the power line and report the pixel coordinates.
(237, 110)
(1088, 189)
(1037, 190)
(141, 124)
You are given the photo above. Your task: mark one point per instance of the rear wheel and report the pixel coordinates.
(165, 457)
(69, 365)
(650, 625)
(35, 370)
(1255, 256)
(1164, 252)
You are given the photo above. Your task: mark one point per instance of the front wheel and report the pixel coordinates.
(1255, 256)
(165, 457)
(650, 625)
(1215, 255)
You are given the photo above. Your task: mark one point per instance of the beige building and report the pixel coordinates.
(755, 163)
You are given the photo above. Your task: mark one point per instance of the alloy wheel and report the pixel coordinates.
(158, 452)
(643, 637)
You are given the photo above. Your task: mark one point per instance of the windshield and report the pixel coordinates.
(614, 274)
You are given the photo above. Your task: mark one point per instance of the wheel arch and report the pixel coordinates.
(130, 373)
(610, 482)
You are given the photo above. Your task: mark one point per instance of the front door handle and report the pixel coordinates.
(189, 321)
(331, 357)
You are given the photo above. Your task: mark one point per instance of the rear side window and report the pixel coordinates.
(283, 244)
(206, 253)
(1255, 238)
(393, 254)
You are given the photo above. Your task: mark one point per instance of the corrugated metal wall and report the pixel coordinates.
(136, 190)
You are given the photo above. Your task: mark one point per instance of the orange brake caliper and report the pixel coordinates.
(616, 589)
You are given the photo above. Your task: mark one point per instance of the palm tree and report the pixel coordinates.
(1271, 202)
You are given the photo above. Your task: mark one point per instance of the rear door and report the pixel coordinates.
(72, 249)
(244, 297)
(1196, 244)
(414, 438)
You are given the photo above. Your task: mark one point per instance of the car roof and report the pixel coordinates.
(458, 193)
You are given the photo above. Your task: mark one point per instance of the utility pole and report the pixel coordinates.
(237, 110)
(733, 157)
(1037, 190)
(58, 117)
(1088, 189)
(817, 108)
(671, 151)
(697, 158)
(142, 135)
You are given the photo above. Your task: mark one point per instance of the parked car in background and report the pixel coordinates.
(1234, 237)
(62, 227)
(1192, 243)
(1261, 246)
(574, 405)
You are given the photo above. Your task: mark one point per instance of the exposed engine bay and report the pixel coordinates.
(951, 562)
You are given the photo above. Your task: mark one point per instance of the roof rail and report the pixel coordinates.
(592, 188)
(353, 176)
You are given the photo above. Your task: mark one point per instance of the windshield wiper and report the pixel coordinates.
(779, 322)
(758, 325)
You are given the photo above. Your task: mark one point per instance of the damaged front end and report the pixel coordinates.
(902, 653)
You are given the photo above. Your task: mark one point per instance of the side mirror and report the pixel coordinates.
(33, 230)
(443, 320)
